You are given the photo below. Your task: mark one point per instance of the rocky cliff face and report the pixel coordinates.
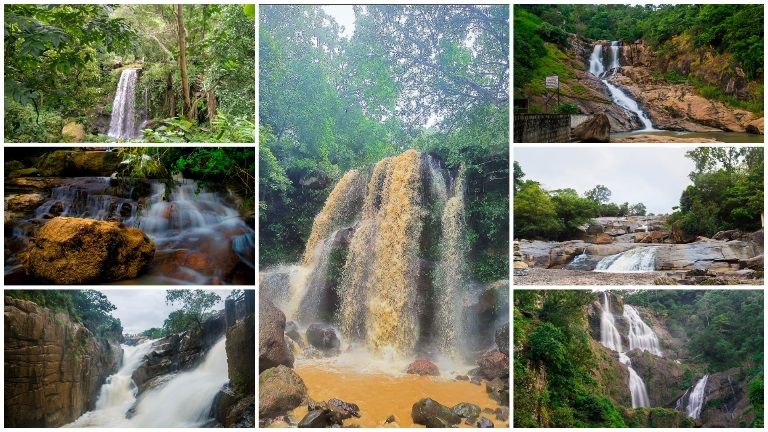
(178, 352)
(53, 367)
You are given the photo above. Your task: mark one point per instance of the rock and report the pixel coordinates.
(664, 280)
(679, 235)
(323, 338)
(423, 367)
(462, 378)
(233, 410)
(494, 365)
(502, 338)
(292, 331)
(314, 419)
(26, 172)
(648, 237)
(728, 235)
(25, 204)
(596, 129)
(272, 348)
(498, 390)
(466, 410)
(279, 424)
(502, 413)
(484, 423)
(476, 380)
(280, 391)
(96, 163)
(756, 263)
(317, 180)
(11, 166)
(54, 367)
(391, 419)
(80, 251)
(73, 133)
(241, 361)
(431, 414)
(756, 126)
(602, 238)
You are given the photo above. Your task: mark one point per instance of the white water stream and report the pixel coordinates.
(641, 259)
(183, 401)
(693, 404)
(122, 124)
(640, 336)
(617, 95)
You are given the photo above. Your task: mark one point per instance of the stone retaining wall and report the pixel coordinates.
(542, 128)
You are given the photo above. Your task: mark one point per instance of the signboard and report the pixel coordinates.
(552, 82)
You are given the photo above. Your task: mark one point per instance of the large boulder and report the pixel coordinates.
(240, 355)
(11, 166)
(80, 251)
(323, 338)
(25, 203)
(75, 163)
(422, 367)
(280, 390)
(73, 133)
(596, 129)
(272, 348)
(25, 172)
(432, 414)
(494, 365)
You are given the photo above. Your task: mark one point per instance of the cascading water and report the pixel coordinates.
(618, 96)
(189, 218)
(184, 401)
(641, 259)
(122, 124)
(379, 218)
(640, 336)
(693, 399)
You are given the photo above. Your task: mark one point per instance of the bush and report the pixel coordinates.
(568, 108)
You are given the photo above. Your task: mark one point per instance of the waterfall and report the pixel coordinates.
(451, 271)
(597, 68)
(693, 399)
(636, 385)
(609, 336)
(123, 113)
(640, 335)
(185, 400)
(641, 259)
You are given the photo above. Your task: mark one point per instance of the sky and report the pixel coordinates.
(142, 309)
(344, 15)
(655, 176)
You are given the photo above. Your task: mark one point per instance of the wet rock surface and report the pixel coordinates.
(78, 251)
(423, 367)
(280, 391)
(273, 350)
(323, 338)
(432, 414)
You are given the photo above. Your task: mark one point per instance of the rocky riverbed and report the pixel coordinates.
(582, 277)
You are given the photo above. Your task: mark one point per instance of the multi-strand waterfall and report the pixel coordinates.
(618, 96)
(641, 259)
(122, 124)
(380, 215)
(639, 336)
(693, 399)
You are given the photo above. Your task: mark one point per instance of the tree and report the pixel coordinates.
(637, 209)
(195, 306)
(624, 209)
(535, 213)
(572, 211)
(599, 194)
(518, 177)
(183, 60)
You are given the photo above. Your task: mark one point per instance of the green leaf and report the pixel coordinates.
(250, 10)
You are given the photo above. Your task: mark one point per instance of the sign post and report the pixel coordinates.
(554, 82)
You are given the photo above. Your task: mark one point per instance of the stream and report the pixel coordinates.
(199, 234)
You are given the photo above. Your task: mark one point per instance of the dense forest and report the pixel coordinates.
(726, 194)
(193, 81)
(432, 78)
(716, 49)
(565, 378)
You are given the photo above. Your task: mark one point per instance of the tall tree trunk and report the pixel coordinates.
(183, 61)
(211, 105)
(171, 96)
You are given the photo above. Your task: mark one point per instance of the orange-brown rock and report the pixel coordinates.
(756, 126)
(80, 251)
(649, 237)
(603, 238)
(53, 367)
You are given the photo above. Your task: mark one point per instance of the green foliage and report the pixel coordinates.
(529, 48)
(196, 305)
(599, 194)
(154, 333)
(235, 164)
(568, 108)
(727, 191)
(89, 307)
